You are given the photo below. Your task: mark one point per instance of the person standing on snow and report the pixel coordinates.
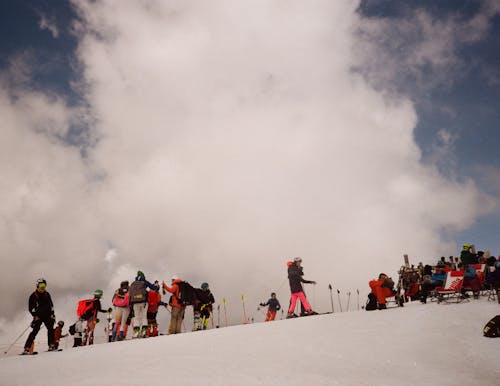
(121, 303)
(177, 315)
(202, 307)
(154, 301)
(274, 306)
(138, 296)
(91, 317)
(41, 308)
(58, 334)
(295, 273)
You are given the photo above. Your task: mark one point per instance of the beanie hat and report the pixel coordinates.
(140, 274)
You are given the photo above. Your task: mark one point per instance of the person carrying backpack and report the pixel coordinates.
(121, 303)
(139, 302)
(274, 306)
(40, 306)
(178, 309)
(90, 315)
(295, 273)
(202, 307)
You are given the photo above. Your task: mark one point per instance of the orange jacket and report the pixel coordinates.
(381, 292)
(174, 290)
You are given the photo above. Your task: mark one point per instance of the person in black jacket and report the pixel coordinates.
(202, 307)
(41, 308)
(295, 274)
(274, 306)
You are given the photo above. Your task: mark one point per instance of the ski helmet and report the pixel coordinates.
(175, 277)
(140, 274)
(124, 284)
(297, 260)
(98, 293)
(273, 294)
(466, 247)
(41, 281)
(60, 323)
(204, 286)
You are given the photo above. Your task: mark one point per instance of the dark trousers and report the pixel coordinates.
(49, 324)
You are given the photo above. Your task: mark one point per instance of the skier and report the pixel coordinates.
(90, 315)
(177, 315)
(274, 306)
(121, 303)
(154, 301)
(79, 330)
(41, 308)
(58, 334)
(202, 307)
(139, 301)
(295, 273)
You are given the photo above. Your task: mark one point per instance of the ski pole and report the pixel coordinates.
(218, 316)
(19, 337)
(245, 320)
(358, 298)
(348, 300)
(340, 303)
(331, 297)
(225, 312)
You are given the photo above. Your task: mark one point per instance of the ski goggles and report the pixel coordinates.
(41, 286)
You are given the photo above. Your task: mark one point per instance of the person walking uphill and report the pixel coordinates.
(295, 273)
(41, 308)
(177, 316)
(138, 298)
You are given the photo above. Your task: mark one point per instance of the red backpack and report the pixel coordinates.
(84, 308)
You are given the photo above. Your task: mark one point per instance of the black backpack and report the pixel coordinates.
(187, 294)
(492, 328)
(72, 329)
(137, 292)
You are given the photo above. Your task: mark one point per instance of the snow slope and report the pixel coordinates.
(416, 345)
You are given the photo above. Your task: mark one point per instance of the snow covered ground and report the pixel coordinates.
(430, 344)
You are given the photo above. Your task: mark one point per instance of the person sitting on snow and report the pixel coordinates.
(382, 289)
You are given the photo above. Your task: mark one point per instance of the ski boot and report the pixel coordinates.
(120, 336)
(137, 331)
(291, 315)
(382, 307)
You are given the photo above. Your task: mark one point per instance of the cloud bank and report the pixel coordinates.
(226, 138)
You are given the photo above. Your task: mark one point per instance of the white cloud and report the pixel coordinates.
(49, 23)
(231, 136)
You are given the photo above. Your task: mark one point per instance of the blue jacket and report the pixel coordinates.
(470, 272)
(438, 278)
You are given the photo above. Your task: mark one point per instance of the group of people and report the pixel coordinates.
(137, 303)
(419, 283)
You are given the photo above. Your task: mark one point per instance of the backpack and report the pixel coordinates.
(72, 329)
(84, 309)
(371, 304)
(492, 328)
(137, 292)
(187, 294)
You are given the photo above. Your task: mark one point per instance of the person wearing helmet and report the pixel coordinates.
(90, 316)
(274, 306)
(468, 254)
(40, 306)
(295, 273)
(121, 304)
(58, 334)
(154, 301)
(202, 307)
(138, 296)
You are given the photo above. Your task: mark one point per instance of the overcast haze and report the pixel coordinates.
(215, 141)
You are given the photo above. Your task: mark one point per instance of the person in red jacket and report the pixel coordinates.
(154, 301)
(382, 289)
(177, 315)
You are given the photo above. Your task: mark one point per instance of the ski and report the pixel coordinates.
(31, 353)
(59, 349)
